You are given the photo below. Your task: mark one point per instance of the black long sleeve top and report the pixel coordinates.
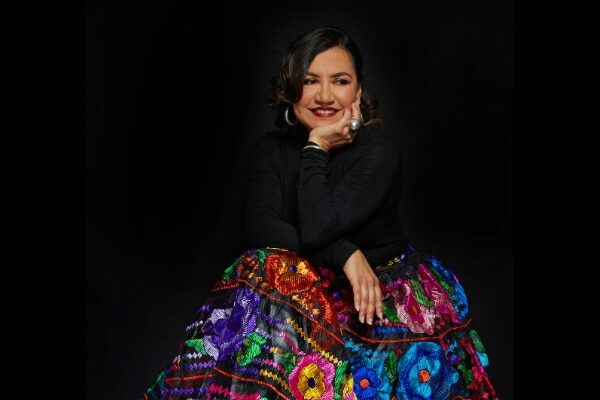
(325, 205)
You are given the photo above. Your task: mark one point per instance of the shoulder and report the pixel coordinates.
(276, 142)
(266, 143)
(274, 138)
(270, 148)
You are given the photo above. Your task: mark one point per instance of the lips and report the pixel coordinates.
(324, 112)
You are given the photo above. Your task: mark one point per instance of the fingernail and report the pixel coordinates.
(370, 321)
(357, 307)
(380, 316)
(362, 319)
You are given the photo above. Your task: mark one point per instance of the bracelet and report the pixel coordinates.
(313, 145)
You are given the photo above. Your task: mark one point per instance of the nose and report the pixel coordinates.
(324, 97)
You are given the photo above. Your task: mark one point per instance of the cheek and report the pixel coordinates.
(347, 97)
(307, 95)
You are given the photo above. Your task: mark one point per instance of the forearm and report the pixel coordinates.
(335, 255)
(326, 213)
(263, 231)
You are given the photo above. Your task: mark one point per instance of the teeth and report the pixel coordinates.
(325, 113)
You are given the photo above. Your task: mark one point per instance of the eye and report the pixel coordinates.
(341, 82)
(310, 81)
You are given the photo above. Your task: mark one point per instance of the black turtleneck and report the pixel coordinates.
(325, 205)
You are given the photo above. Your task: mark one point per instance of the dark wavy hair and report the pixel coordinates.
(287, 85)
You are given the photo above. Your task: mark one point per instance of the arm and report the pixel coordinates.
(327, 215)
(336, 254)
(263, 224)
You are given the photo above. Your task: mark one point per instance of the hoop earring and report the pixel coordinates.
(287, 117)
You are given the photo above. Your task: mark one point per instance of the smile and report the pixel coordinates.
(324, 112)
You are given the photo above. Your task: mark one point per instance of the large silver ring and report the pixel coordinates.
(355, 124)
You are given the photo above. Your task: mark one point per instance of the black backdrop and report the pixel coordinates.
(175, 98)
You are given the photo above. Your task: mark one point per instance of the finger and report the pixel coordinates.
(356, 114)
(342, 125)
(364, 301)
(378, 300)
(356, 111)
(345, 119)
(371, 306)
(356, 291)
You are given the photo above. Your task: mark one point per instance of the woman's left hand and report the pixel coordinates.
(337, 134)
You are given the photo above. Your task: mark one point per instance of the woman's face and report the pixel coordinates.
(329, 87)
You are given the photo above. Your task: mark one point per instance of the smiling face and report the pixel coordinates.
(329, 87)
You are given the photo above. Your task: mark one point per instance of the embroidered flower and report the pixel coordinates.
(226, 328)
(450, 282)
(417, 317)
(370, 379)
(312, 378)
(440, 298)
(424, 373)
(348, 390)
(288, 273)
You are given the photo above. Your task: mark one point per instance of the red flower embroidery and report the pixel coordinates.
(289, 273)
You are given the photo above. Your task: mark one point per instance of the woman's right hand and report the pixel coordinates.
(365, 286)
(336, 134)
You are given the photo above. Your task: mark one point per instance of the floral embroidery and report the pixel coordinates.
(289, 273)
(449, 281)
(370, 378)
(286, 330)
(226, 328)
(312, 378)
(441, 300)
(424, 373)
(348, 391)
(251, 349)
(418, 318)
(478, 374)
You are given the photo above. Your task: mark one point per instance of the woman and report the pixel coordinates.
(330, 301)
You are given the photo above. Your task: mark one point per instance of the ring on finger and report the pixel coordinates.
(354, 125)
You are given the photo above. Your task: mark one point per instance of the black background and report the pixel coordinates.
(175, 98)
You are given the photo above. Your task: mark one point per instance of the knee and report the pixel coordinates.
(278, 269)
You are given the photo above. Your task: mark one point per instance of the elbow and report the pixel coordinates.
(252, 231)
(312, 242)
(312, 239)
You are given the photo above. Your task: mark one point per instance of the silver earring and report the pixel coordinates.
(287, 117)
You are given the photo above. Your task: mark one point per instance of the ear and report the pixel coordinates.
(359, 93)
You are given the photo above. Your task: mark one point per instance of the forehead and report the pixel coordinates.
(332, 60)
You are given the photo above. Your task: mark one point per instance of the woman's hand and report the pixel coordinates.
(336, 134)
(365, 286)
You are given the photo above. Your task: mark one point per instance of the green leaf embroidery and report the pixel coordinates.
(389, 311)
(227, 273)
(197, 345)
(390, 367)
(420, 293)
(252, 347)
(477, 341)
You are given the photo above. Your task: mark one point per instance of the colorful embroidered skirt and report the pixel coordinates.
(277, 327)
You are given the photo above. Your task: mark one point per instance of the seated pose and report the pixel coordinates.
(328, 301)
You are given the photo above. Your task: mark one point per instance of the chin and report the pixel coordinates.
(323, 122)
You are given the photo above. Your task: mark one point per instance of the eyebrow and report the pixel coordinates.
(336, 75)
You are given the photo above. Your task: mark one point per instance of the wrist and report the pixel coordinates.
(314, 145)
(319, 142)
(349, 260)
